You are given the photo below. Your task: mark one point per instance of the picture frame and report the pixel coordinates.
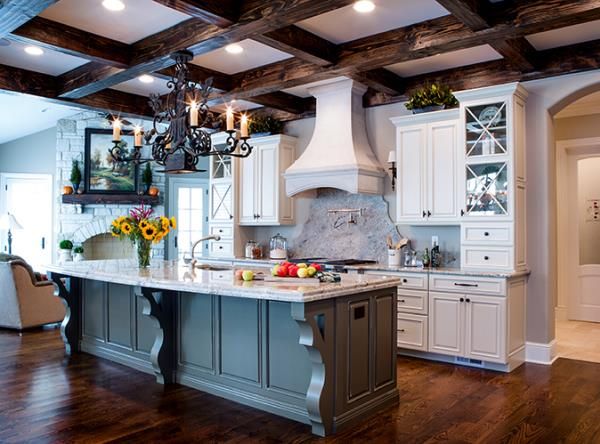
(102, 174)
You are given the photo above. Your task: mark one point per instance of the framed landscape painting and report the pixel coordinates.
(102, 173)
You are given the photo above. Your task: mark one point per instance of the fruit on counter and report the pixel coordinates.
(302, 265)
(238, 274)
(311, 271)
(302, 272)
(282, 271)
(316, 267)
(274, 270)
(293, 270)
(248, 275)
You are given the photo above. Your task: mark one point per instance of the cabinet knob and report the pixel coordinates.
(402, 301)
(231, 216)
(220, 247)
(401, 330)
(486, 258)
(462, 299)
(220, 231)
(424, 213)
(468, 300)
(429, 214)
(404, 280)
(462, 212)
(486, 233)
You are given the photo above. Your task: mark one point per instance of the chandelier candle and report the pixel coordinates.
(244, 126)
(193, 114)
(229, 119)
(137, 136)
(116, 130)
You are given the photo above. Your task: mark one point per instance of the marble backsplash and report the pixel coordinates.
(328, 235)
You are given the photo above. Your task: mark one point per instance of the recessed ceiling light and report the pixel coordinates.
(234, 48)
(34, 50)
(113, 5)
(364, 6)
(145, 78)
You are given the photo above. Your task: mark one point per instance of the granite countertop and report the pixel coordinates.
(171, 275)
(452, 271)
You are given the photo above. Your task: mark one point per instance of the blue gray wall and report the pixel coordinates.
(34, 154)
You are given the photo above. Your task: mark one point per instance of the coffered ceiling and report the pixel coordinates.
(93, 57)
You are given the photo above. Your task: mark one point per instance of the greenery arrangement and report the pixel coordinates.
(78, 250)
(147, 178)
(65, 245)
(142, 228)
(75, 175)
(265, 123)
(434, 95)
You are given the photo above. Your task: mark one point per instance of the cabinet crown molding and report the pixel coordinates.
(434, 116)
(506, 89)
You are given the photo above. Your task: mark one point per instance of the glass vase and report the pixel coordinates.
(143, 252)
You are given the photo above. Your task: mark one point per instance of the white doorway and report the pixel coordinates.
(28, 197)
(578, 163)
(188, 202)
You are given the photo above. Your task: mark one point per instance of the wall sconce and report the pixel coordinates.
(394, 171)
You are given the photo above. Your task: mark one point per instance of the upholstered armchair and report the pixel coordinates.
(25, 302)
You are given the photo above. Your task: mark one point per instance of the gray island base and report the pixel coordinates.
(324, 355)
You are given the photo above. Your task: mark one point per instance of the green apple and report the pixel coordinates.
(311, 271)
(248, 275)
(274, 270)
(302, 272)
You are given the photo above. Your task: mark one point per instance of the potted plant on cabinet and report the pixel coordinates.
(434, 97)
(78, 254)
(265, 125)
(147, 178)
(64, 253)
(75, 176)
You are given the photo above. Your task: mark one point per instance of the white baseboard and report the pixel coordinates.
(540, 353)
(561, 313)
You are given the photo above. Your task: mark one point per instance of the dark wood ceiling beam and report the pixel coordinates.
(221, 13)
(68, 40)
(27, 82)
(285, 102)
(553, 62)
(380, 80)
(197, 73)
(423, 39)
(256, 17)
(301, 44)
(72, 83)
(476, 15)
(14, 13)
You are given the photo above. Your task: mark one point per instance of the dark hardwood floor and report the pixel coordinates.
(47, 398)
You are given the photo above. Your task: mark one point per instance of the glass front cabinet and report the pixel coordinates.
(493, 177)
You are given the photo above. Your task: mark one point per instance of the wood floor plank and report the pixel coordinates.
(47, 397)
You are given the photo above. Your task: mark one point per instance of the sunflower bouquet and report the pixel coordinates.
(144, 229)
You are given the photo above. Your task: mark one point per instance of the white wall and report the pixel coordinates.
(579, 127)
(588, 187)
(33, 154)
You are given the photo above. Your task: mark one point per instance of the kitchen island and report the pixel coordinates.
(321, 354)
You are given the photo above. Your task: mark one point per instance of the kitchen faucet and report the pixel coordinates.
(215, 237)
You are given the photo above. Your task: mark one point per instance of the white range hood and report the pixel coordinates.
(338, 155)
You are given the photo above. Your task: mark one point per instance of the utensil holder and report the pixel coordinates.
(394, 258)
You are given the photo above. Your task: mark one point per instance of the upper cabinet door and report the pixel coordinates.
(248, 188)
(220, 167)
(486, 130)
(268, 180)
(442, 158)
(221, 202)
(410, 155)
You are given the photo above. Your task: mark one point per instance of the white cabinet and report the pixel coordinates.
(493, 180)
(262, 198)
(427, 161)
(446, 332)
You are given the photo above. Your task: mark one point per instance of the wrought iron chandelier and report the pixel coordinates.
(178, 136)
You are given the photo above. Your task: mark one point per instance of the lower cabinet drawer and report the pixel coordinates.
(225, 231)
(487, 257)
(412, 331)
(220, 248)
(500, 233)
(411, 301)
(467, 284)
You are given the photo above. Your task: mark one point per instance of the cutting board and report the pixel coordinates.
(292, 280)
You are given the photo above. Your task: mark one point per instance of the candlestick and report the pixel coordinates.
(193, 114)
(137, 136)
(116, 130)
(229, 119)
(244, 126)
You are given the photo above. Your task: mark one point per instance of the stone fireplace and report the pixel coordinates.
(89, 225)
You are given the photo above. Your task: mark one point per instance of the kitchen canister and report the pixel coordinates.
(394, 258)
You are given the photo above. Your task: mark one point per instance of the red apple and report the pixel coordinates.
(293, 271)
(238, 274)
(282, 271)
(316, 267)
(286, 264)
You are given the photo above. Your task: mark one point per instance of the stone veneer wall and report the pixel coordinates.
(79, 223)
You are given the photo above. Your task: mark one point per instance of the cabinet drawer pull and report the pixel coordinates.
(486, 258)
(401, 330)
(404, 281)
(220, 247)
(220, 231)
(402, 301)
(462, 299)
(458, 284)
(487, 233)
